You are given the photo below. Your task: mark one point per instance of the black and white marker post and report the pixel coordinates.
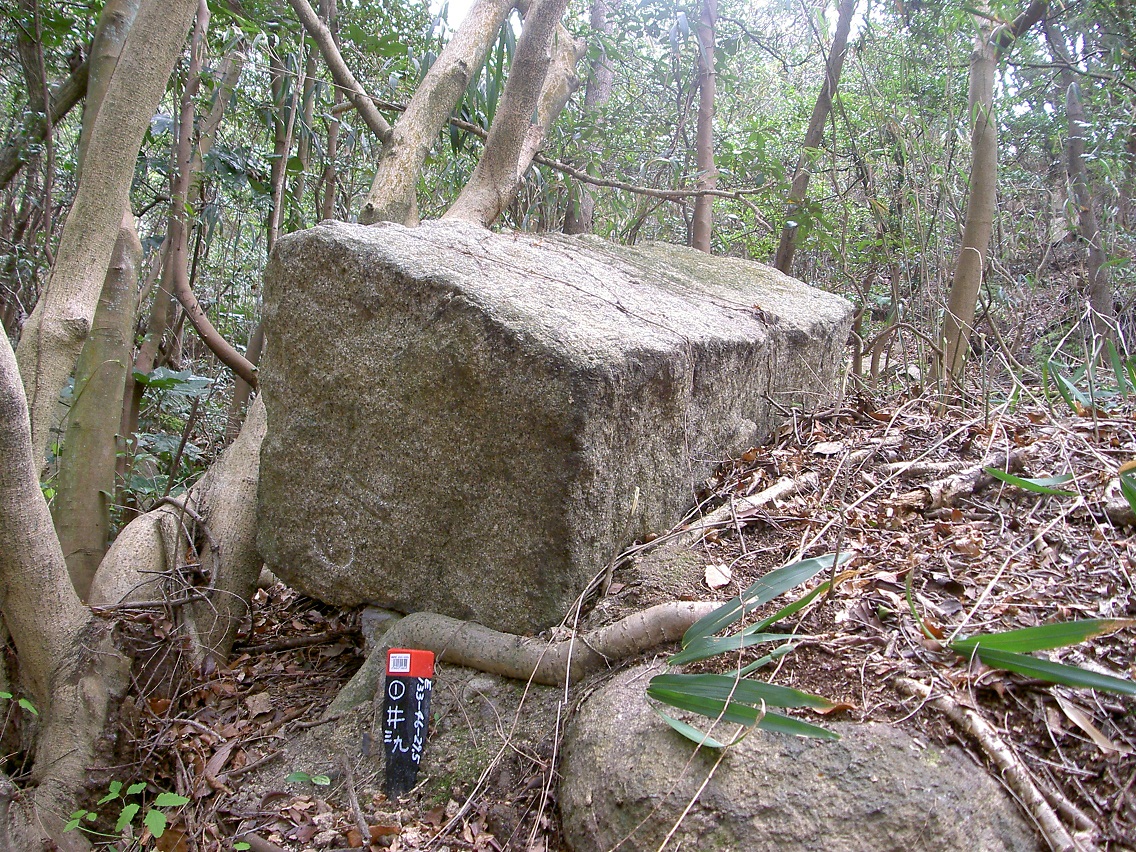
(406, 714)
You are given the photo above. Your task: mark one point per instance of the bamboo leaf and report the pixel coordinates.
(1044, 637)
(1053, 672)
(690, 732)
(775, 583)
(1128, 488)
(710, 646)
(1044, 485)
(740, 714)
(740, 690)
(1117, 368)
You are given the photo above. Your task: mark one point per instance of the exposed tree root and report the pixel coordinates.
(150, 550)
(947, 491)
(464, 643)
(1014, 772)
(724, 516)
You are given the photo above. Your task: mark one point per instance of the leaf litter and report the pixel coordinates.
(905, 490)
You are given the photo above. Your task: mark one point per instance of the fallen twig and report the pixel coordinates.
(1014, 772)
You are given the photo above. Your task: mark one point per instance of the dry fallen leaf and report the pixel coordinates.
(259, 703)
(1081, 719)
(717, 576)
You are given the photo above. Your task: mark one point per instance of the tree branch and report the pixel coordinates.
(392, 196)
(63, 97)
(342, 75)
(513, 138)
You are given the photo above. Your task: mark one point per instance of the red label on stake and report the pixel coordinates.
(404, 662)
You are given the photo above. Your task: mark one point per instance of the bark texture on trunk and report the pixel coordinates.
(62, 319)
(978, 225)
(392, 196)
(74, 674)
(541, 79)
(85, 484)
(814, 133)
(703, 223)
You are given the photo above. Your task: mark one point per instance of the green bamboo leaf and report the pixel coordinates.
(1044, 485)
(775, 583)
(740, 714)
(27, 705)
(742, 691)
(1044, 637)
(1063, 386)
(1053, 672)
(1128, 489)
(711, 646)
(794, 607)
(1117, 368)
(776, 654)
(690, 732)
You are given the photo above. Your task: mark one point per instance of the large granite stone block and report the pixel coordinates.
(463, 421)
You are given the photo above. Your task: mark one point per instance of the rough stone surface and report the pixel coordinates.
(461, 421)
(875, 789)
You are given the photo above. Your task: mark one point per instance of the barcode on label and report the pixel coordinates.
(399, 663)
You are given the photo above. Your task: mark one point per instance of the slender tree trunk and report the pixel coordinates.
(392, 196)
(343, 77)
(703, 220)
(814, 133)
(55, 332)
(329, 178)
(1098, 291)
(541, 78)
(85, 485)
(581, 201)
(962, 299)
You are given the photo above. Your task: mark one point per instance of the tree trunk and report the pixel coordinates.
(392, 196)
(85, 485)
(1098, 292)
(62, 319)
(979, 222)
(541, 78)
(703, 220)
(581, 202)
(834, 65)
(962, 300)
(67, 663)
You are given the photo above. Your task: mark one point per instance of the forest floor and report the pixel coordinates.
(903, 489)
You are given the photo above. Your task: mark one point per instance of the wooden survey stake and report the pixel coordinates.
(406, 714)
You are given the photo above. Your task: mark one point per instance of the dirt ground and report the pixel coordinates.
(902, 489)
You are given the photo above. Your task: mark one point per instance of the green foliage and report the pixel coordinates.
(24, 703)
(1043, 485)
(1010, 650)
(130, 803)
(736, 698)
(305, 778)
